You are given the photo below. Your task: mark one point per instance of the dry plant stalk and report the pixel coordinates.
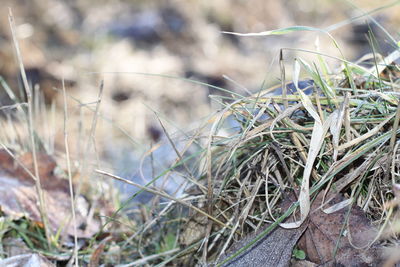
(69, 172)
(28, 91)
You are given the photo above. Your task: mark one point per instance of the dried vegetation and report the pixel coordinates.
(303, 173)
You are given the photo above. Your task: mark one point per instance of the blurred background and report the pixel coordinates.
(149, 55)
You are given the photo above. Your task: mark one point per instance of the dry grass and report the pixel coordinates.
(330, 132)
(339, 139)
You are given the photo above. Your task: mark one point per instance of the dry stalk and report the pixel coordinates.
(71, 189)
(28, 91)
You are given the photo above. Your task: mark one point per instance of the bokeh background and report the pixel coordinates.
(149, 52)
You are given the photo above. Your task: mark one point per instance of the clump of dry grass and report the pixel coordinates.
(340, 139)
(330, 133)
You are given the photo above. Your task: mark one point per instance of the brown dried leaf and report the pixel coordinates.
(46, 165)
(323, 233)
(18, 196)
